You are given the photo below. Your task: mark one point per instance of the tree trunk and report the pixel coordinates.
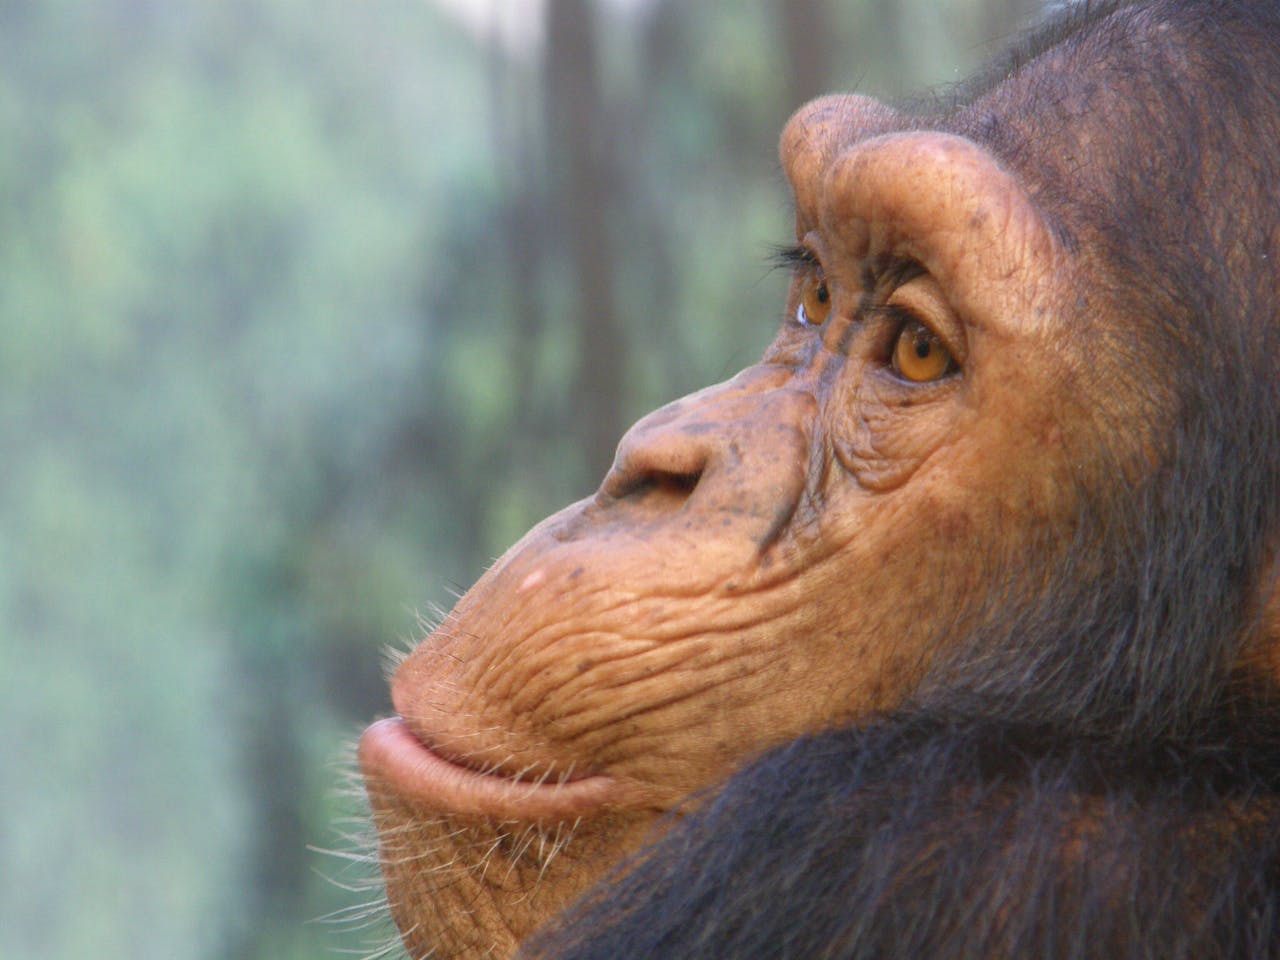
(582, 157)
(806, 31)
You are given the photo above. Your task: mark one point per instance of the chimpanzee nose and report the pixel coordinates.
(659, 453)
(741, 447)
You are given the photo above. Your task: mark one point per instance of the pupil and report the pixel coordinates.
(822, 293)
(924, 346)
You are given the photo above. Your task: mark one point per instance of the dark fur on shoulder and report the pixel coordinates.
(929, 838)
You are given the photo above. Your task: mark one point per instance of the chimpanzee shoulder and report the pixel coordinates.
(939, 836)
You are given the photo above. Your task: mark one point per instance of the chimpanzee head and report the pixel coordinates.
(1014, 444)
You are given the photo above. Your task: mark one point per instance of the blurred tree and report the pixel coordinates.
(807, 34)
(1001, 20)
(308, 311)
(586, 183)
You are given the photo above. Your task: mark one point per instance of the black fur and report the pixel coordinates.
(1092, 774)
(926, 838)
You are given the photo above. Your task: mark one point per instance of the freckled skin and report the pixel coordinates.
(782, 553)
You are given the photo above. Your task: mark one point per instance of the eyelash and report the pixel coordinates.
(893, 319)
(793, 256)
(797, 258)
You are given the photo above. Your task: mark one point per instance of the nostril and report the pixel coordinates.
(679, 483)
(640, 484)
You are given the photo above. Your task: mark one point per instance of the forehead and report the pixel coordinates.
(1070, 118)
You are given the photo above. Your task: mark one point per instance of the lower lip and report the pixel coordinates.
(394, 759)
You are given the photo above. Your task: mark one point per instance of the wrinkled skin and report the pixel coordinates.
(782, 553)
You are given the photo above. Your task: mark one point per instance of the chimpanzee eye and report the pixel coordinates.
(815, 302)
(918, 354)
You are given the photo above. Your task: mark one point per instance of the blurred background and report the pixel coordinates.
(307, 311)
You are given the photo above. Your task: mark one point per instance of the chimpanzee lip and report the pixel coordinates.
(393, 758)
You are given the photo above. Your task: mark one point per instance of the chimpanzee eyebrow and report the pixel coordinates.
(896, 272)
(793, 255)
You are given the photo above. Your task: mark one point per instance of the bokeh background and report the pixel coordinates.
(308, 308)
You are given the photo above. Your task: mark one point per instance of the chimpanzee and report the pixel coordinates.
(947, 630)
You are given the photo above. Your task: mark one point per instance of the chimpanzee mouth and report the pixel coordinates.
(394, 758)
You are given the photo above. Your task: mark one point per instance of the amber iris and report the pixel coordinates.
(815, 302)
(918, 354)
